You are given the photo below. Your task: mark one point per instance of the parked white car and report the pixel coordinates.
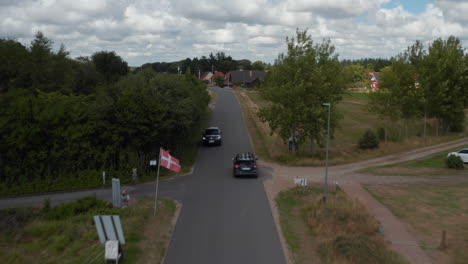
(463, 154)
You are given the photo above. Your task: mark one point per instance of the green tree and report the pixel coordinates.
(298, 85)
(400, 80)
(13, 56)
(219, 80)
(444, 81)
(109, 65)
(258, 66)
(355, 76)
(40, 62)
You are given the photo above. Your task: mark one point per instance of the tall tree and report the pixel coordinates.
(258, 66)
(110, 65)
(40, 63)
(298, 85)
(13, 56)
(444, 80)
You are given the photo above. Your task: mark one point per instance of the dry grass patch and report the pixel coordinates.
(338, 231)
(428, 209)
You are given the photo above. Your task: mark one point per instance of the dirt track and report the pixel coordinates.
(350, 181)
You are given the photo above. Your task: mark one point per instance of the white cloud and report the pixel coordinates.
(336, 8)
(455, 10)
(167, 30)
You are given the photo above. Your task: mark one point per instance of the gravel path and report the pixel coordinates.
(350, 181)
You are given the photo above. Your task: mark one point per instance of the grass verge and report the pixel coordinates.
(338, 231)
(432, 165)
(66, 233)
(343, 147)
(429, 209)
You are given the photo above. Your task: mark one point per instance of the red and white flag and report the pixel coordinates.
(167, 161)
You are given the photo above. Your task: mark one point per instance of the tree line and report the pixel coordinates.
(213, 62)
(64, 120)
(424, 83)
(418, 83)
(372, 64)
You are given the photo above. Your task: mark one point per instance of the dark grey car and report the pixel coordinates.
(244, 164)
(212, 136)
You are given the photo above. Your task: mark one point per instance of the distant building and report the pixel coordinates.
(244, 78)
(216, 74)
(206, 76)
(374, 78)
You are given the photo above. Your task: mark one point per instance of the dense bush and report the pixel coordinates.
(369, 140)
(454, 162)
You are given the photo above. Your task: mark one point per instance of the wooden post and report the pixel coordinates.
(443, 242)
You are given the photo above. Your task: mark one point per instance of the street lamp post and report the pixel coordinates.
(325, 185)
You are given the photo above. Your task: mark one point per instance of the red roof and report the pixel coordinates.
(216, 74)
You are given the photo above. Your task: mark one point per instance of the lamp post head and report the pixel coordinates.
(326, 104)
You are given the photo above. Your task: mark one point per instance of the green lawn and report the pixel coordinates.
(436, 160)
(356, 96)
(356, 120)
(432, 165)
(66, 233)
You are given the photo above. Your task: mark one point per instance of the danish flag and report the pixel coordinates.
(169, 162)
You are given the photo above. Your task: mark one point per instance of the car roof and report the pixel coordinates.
(245, 156)
(212, 128)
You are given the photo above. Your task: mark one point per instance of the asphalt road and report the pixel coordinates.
(225, 219)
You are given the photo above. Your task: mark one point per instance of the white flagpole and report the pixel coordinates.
(157, 183)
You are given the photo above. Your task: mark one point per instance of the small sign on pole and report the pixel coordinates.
(135, 174)
(153, 162)
(300, 182)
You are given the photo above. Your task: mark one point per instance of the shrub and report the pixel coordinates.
(78, 207)
(369, 140)
(454, 162)
(381, 133)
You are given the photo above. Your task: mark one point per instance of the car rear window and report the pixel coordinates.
(212, 131)
(246, 163)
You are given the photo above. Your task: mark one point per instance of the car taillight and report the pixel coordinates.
(255, 166)
(236, 166)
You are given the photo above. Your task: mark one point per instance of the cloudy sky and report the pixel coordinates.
(143, 31)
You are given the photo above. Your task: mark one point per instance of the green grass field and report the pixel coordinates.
(66, 233)
(429, 209)
(432, 165)
(356, 96)
(343, 146)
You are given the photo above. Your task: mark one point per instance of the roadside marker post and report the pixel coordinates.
(116, 199)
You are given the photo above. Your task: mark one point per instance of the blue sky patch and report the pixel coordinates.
(413, 6)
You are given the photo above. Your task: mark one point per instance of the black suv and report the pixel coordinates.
(212, 136)
(244, 164)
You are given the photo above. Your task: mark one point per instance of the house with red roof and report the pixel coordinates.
(206, 76)
(216, 74)
(374, 78)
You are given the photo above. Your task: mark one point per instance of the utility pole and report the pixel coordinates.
(325, 185)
